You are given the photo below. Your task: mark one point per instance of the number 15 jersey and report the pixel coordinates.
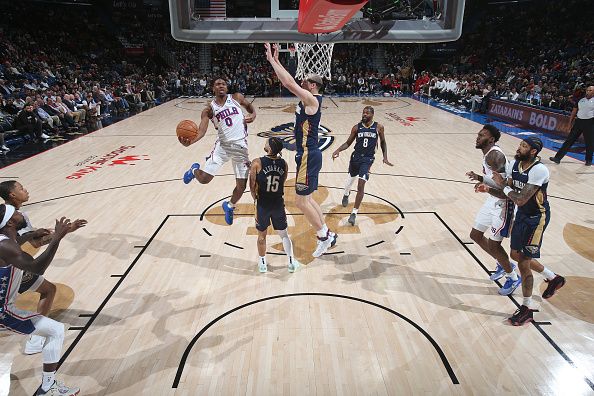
(270, 179)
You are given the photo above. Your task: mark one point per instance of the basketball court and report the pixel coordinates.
(160, 296)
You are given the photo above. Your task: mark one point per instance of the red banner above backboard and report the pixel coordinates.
(326, 16)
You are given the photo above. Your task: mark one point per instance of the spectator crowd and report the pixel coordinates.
(72, 74)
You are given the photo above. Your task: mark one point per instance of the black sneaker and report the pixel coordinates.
(345, 200)
(554, 284)
(352, 218)
(522, 316)
(555, 160)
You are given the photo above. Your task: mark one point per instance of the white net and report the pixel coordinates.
(314, 58)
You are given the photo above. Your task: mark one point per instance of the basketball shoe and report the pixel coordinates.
(189, 175)
(521, 316)
(345, 200)
(499, 271)
(553, 285)
(262, 266)
(58, 389)
(510, 285)
(325, 243)
(293, 265)
(228, 212)
(352, 218)
(498, 274)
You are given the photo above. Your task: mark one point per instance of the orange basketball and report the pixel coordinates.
(187, 129)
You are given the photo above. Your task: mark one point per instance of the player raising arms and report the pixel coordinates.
(366, 133)
(309, 156)
(226, 115)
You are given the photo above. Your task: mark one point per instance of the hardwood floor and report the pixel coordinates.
(402, 305)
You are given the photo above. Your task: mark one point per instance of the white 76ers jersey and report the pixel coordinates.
(229, 120)
(10, 281)
(488, 171)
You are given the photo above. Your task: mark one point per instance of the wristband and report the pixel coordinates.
(507, 190)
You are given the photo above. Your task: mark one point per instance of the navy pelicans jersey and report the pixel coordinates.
(270, 180)
(537, 174)
(366, 139)
(306, 127)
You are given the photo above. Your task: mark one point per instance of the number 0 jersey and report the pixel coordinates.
(229, 120)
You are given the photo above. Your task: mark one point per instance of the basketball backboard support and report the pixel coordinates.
(206, 21)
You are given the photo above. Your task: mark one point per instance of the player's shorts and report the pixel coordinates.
(30, 282)
(17, 320)
(309, 165)
(236, 151)
(496, 216)
(267, 212)
(360, 166)
(527, 232)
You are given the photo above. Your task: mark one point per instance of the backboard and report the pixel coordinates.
(380, 21)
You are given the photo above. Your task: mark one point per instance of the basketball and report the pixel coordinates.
(187, 129)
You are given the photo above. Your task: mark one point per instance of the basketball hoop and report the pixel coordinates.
(314, 58)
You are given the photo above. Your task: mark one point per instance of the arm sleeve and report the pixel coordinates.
(538, 175)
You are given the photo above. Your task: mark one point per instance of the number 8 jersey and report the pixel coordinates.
(366, 140)
(229, 121)
(271, 180)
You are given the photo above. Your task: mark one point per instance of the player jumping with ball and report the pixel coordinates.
(226, 115)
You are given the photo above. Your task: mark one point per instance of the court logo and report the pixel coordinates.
(301, 233)
(414, 119)
(285, 132)
(110, 159)
(128, 160)
(406, 121)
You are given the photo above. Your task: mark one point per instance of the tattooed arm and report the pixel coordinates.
(522, 197)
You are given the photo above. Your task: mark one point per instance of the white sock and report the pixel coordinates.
(527, 301)
(262, 260)
(325, 228)
(288, 246)
(355, 211)
(47, 380)
(512, 275)
(231, 204)
(321, 233)
(547, 273)
(349, 183)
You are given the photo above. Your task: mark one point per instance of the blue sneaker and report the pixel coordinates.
(189, 175)
(228, 212)
(509, 286)
(498, 274)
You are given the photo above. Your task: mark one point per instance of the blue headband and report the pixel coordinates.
(534, 142)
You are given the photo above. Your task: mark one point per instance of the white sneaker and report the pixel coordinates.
(5, 148)
(324, 244)
(59, 389)
(293, 265)
(44, 136)
(262, 267)
(34, 344)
